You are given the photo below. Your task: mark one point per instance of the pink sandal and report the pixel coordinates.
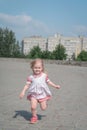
(34, 119)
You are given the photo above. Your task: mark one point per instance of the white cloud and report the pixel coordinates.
(18, 20)
(23, 25)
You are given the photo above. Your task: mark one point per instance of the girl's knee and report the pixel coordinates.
(43, 107)
(33, 107)
(33, 104)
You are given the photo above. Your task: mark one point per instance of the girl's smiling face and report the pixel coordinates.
(37, 68)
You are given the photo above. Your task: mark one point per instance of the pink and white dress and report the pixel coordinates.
(38, 87)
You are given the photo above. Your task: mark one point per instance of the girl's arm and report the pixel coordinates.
(53, 85)
(24, 90)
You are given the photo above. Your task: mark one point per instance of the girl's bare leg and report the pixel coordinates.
(43, 105)
(33, 106)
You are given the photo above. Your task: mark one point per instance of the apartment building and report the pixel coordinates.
(84, 43)
(29, 42)
(73, 45)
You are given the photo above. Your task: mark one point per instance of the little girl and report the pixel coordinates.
(38, 91)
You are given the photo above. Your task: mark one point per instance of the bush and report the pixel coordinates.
(82, 56)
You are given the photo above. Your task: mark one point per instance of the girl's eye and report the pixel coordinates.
(37, 67)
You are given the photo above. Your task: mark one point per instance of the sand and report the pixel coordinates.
(67, 110)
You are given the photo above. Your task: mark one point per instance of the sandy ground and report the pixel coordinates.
(67, 110)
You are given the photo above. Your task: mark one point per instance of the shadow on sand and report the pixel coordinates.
(26, 115)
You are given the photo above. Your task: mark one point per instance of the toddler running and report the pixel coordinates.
(38, 90)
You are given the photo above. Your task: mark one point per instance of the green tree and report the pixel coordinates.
(59, 52)
(8, 43)
(1, 42)
(16, 50)
(46, 55)
(35, 52)
(82, 56)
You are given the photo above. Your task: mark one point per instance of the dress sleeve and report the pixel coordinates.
(29, 80)
(47, 79)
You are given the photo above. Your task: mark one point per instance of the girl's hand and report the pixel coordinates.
(57, 86)
(23, 91)
(21, 95)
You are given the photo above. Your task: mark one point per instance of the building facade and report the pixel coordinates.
(29, 42)
(73, 45)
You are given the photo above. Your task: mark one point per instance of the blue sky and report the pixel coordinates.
(44, 17)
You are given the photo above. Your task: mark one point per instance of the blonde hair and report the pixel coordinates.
(37, 60)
